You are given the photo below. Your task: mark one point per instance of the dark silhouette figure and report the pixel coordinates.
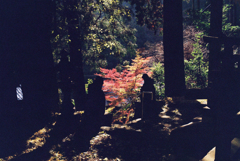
(148, 87)
(95, 106)
(148, 98)
(93, 115)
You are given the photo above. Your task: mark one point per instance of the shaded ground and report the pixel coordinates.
(175, 133)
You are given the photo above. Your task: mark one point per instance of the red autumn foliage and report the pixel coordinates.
(123, 88)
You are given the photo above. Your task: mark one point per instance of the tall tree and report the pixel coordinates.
(76, 33)
(90, 29)
(173, 48)
(26, 61)
(155, 14)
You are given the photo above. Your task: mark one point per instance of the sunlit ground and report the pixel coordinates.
(234, 147)
(39, 139)
(171, 118)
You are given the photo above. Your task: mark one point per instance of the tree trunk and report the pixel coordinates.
(231, 13)
(26, 61)
(235, 14)
(193, 5)
(198, 5)
(173, 48)
(76, 56)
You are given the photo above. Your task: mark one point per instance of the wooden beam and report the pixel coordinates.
(222, 40)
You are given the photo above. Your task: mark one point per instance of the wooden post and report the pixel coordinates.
(144, 110)
(218, 84)
(215, 31)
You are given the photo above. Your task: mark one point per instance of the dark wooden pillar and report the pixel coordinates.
(219, 83)
(173, 48)
(215, 31)
(223, 98)
(215, 76)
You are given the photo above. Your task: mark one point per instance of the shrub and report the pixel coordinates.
(158, 76)
(196, 69)
(123, 88)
